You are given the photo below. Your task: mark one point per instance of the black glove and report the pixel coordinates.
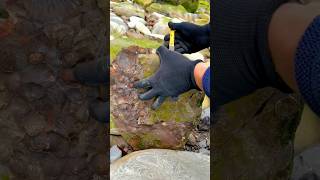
(174, 77)
(189, 38)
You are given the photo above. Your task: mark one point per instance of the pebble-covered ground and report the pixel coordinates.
(144, 24)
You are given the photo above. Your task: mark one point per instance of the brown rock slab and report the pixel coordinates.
(140, 126)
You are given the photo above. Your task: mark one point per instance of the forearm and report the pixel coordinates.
(295, 45)
(202, 77)
(286, 28)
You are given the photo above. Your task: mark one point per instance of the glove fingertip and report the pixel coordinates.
(158, 102)
(171, 25)
(161, 49)
(166, 37)
(144, 83)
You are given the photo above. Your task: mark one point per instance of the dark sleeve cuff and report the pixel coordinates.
(206, 82)
(307, 66)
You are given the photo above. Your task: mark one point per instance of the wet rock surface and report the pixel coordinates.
(142, 127)
(255, 141)
(44, 123)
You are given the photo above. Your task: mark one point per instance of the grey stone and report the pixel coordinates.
(34, 124)
(128, 9)
(161, 164)
(203, 143)
(306, 164)
(115, 153)
(204, 151)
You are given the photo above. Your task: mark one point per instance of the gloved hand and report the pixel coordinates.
(174, 77)
(189, 38)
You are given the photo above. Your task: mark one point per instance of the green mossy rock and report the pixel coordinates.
(253, 136)
(167, 9)
(203, 7)
(191, 5)
(119, 43)
(128, 9)
(143, 128)
(143, 3)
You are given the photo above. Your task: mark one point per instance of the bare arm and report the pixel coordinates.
(285, 30)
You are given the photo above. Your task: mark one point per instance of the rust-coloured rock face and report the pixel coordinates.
(142, 127)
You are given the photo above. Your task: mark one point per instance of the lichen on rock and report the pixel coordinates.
(142, 127)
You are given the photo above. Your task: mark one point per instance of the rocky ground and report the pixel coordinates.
(46, 131)
(144, 24)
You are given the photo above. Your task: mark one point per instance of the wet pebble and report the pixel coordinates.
(203, 143)
(99, 163)
(34, 124)
(13, 81)
(32, 91)
(204, 151)
(115, 153)
(18, 108)
(52, 166)
(36, 58)
(192, 140)
(71, 59)
(75, 166)
(39, 74)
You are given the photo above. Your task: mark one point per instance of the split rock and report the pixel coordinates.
(142, 127)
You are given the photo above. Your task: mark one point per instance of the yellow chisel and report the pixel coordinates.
(171, 41)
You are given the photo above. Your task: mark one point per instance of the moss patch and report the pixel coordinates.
(143, 3)
(204, 7)
(141, 141)
(178, 111)
(191, 5)
(112, 125)
(166, 8)
(150, 64)
(119, 43)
